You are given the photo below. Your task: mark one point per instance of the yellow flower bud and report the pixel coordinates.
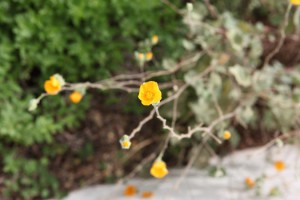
(147, 194)
(154, 39)
(159, 169)
(227, 135)
(53, 85)
(125, 142)
(279, 165)
(149, 56)
(141, 56)
(249, 182)
(75, 97)
(130, 191)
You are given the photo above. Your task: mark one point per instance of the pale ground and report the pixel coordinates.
(199, 186)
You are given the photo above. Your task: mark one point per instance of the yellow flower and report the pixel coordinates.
(295, 2)
(141, 56)
(53, 85)
(279, 165)
(149, 93)
(149, 56)
(249, 182)
(147, 194)
(154, 39)
(125, 142)
(227, 135)
(159, 169)
(130, 191)
(75, 97)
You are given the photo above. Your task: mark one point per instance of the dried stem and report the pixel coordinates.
(172, 6)
(175, 105)
(212, 10)
(141, 124)
(138, 168)
(151, 114)
(130, 82)
(193, 160)
(199, 128)
(190, 164)
(282, 36)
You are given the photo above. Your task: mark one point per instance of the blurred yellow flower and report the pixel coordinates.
(154, 39)
(75, 97)
(130, 191)
(227, 135)
(249, 182)
(147, 194)
(295, 2)
(279, 165)
(159, 169)
(149, 56)
(53, 85)
(149, 93)
(125, 142)
(141, 56)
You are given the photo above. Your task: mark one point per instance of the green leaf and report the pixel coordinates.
(241, 74)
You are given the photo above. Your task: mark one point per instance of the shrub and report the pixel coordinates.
(79, 39)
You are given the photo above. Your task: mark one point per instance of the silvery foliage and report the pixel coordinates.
(266, 97)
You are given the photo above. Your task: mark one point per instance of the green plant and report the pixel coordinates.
(79, 39)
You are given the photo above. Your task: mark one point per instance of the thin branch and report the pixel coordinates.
(273, 141)
(217, 105)
(212, 10)
(141, 124)
(137, 148)
(172, 6)
(199, 128)
(131, 82)
(282, 36)
(151, 114)
(174, 116)
(190, 163)
(138, 168)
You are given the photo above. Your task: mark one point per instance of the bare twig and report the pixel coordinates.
(141, 124)
(174, 116)
(273, 141)
(282, 36)
(138, 168)
(217, 105)
(175, 105)
(212, 10)
(151, 114)
(172, 6)
(189, 165)
(199, 128)
(141, 145)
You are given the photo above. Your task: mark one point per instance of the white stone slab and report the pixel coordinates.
(197, 185)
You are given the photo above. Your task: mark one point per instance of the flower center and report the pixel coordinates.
(149, 95)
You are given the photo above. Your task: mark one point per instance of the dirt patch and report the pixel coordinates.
(94, 154)
(289, 53)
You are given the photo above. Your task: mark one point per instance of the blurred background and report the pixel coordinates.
(62, 146)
